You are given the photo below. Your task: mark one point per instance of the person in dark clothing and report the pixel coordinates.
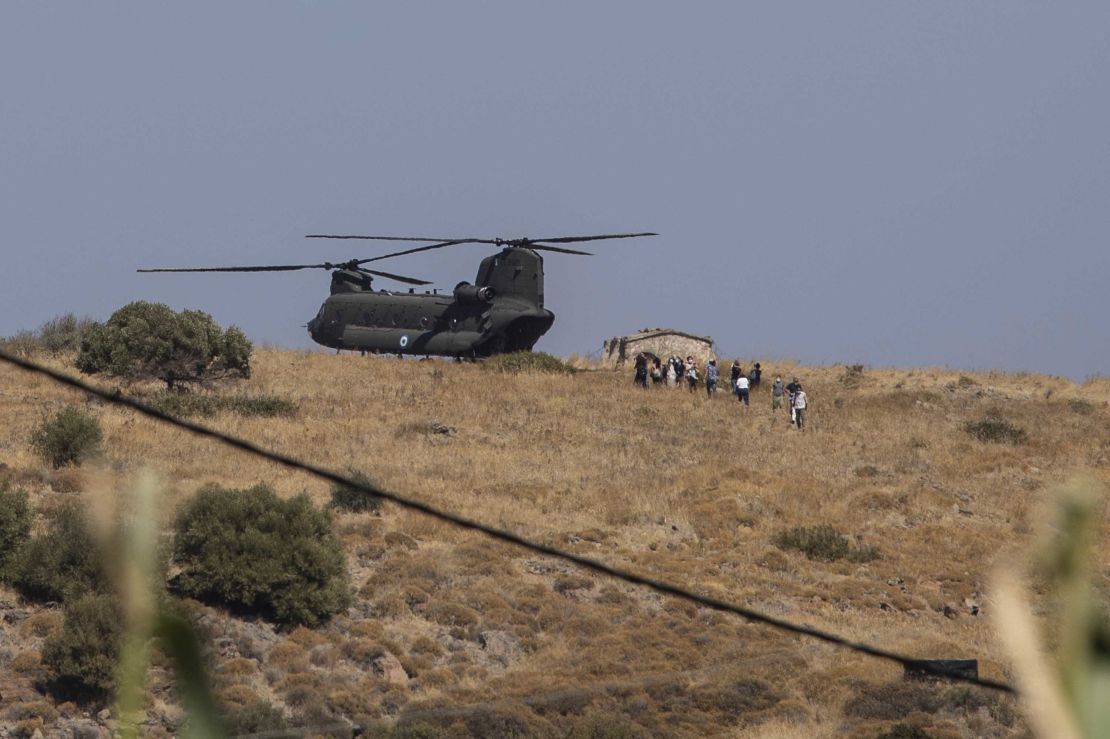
(641, 371)
(792, 388)
(755, 376)
(691, 374)
(737, 370)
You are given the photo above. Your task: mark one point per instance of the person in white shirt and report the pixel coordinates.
(691, 374)
(800, 403)
(743, 385)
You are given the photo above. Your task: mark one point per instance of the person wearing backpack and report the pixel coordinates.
(737, 370)
(691, 374)
(755, 376)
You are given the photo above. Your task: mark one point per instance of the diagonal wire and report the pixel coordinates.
(455, 519)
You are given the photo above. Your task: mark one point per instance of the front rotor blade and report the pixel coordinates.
(572, 239)
(561, 250)
(266, 268)
(381, 238)
(399, 278)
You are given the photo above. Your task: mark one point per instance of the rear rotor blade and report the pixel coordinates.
(561, 250)
(572, 239)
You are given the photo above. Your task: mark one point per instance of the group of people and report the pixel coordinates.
(675, 372)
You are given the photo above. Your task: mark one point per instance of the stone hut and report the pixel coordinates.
(660, 342)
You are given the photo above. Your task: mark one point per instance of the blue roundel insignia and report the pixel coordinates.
(404, 341)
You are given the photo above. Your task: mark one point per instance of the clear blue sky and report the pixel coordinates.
(886, 183)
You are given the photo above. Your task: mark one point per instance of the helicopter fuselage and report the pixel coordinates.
(502, 312)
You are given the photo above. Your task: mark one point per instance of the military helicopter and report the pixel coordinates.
(502, 311)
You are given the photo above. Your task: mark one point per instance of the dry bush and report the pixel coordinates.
(995, 429)
(448, 613)
(257, 717)
(823, 543)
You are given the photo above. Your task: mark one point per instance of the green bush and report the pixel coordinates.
(252, 551)
(70, 436)
(82, 656)
(145, 341)
(16, 518)
(823, 543)
(527, 362)
(352, 500)
(184, 405)
(996, 429)
(63, 563)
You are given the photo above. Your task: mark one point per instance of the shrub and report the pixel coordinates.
(63, 333)
(257, 717)
(352, 500)
(893, 701)
(16, 518)
(151, 341)
(70, 436)
(527, 362)
(185, 405)
(903, 731)
(823, 543)
(24, 344)
(1081, 406)
(82, 657)
(62, 563)
(250, 550)
(853, 375)
(996, 429)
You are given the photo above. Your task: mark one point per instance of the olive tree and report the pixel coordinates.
(147, 341)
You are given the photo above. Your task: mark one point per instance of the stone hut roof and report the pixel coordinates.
(650, 333)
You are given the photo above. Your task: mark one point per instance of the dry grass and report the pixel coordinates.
(664, 482)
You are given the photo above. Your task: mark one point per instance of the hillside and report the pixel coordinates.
(467, 637)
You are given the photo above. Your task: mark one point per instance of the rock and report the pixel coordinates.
(950, 611)
(389, 668)
(500, 645)
(104, 715)
(80, 729)
(226, 647)
(15, 615)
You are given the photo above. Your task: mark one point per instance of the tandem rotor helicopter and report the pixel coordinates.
(501, 312)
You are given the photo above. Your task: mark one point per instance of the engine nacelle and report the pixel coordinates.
(467, 293)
